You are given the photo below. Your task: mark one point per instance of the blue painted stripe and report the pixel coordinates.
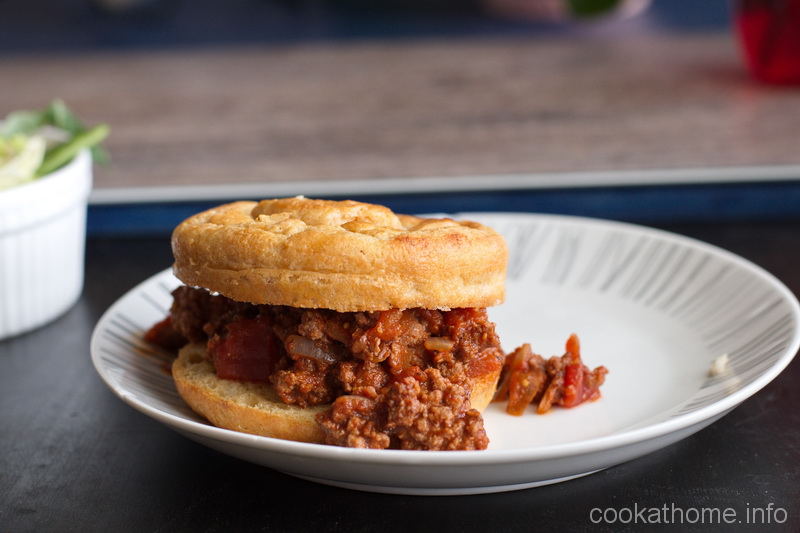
(638, 204)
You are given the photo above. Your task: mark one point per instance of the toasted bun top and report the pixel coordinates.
(345, 256)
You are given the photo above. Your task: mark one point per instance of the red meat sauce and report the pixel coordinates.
(393, 379)
(528, 378)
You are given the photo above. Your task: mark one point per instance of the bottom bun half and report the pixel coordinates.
(255, 408)
(241, 406)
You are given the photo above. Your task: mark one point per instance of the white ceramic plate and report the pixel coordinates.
(655, 308)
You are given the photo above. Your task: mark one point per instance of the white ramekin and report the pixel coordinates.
(42, 245)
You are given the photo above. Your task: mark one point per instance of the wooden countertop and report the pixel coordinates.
(529, 108)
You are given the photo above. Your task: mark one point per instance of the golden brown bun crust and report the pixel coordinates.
(345, 256)
(483, 389)
(256, 408)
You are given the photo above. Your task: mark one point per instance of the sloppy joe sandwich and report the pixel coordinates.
(337, 322)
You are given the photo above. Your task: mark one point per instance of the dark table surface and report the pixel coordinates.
(73, 457)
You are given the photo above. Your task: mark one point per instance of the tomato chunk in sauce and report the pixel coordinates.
(247, 350)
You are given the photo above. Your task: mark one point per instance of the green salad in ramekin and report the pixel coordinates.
(35, 143)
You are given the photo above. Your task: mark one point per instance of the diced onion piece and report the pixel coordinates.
(299, 346)
(439, 344)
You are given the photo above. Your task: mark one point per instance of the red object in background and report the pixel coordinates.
(769, 31)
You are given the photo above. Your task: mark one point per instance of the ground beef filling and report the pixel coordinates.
(394, 379)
